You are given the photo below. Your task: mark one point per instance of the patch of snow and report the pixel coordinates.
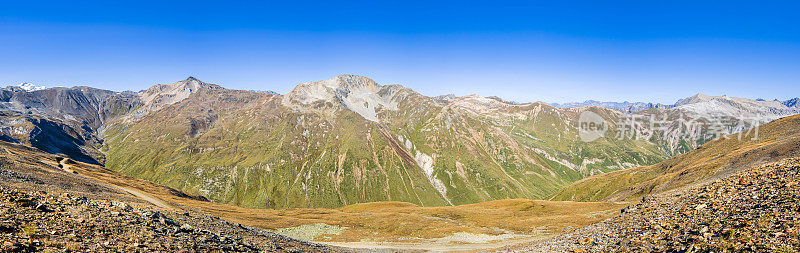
(30, 87)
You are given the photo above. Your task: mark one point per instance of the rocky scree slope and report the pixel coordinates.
(754, 210)
(49, 221)
(47, 205)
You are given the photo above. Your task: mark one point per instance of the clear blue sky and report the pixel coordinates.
(523, 51)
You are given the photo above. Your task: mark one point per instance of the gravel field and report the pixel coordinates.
(754, 210)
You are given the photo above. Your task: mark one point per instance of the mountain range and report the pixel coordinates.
(351, 140)
(626, 107)
(633, 107)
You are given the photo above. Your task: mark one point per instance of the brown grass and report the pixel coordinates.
(379, 221)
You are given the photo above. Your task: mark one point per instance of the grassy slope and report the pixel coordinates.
(776, 140)
(269, 161)
(246, 149)
(378, 221)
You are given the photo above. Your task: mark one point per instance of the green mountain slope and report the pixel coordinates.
(349, 140)
(774, 141)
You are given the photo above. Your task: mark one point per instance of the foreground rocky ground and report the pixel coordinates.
(42, 221)
(755, 210)
(47, 205)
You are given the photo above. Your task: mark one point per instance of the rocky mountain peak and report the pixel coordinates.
(444, 99)
(697, 98)
(792, 103)
(323, 90)
(161, 95)
(478, 99)
(189, 84)
(356, 93)
(354, 82)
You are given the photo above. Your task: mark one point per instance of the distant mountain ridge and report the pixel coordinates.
(31, 87)
(626, 107)
(345, 140)
(732, 106)
(62, 120)
(792, 103)
(633, 107)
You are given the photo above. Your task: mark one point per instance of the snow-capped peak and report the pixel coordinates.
(30, 87)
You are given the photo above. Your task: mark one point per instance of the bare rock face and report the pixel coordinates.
(162, 95)
(357, 93)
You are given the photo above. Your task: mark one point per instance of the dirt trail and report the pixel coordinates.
(145, 197)
(155, 201)
(435, 246)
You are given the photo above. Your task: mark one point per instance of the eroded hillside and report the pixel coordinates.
(349, 140)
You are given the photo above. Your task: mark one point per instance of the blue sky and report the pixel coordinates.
(522, 51)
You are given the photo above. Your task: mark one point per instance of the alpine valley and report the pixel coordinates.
(348, 147)
(345, 140)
